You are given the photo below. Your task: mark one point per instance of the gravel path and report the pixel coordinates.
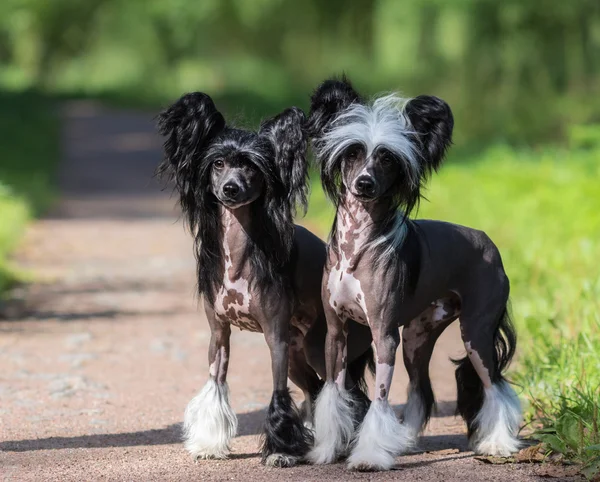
(108, 345)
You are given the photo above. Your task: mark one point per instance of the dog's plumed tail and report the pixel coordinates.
(288, 137)
(188, 126)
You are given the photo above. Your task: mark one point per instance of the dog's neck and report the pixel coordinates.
(359, 225)
(236, 228)
(356, 222)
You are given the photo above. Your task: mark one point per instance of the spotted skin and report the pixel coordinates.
(417, 333)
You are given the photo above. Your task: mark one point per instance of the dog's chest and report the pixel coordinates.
(234, 300)
(346, 295)
(232, 305)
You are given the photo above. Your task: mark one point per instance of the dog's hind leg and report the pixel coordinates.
(486, 400)
(419, 337)
(285, 440)
(381, 436)
(303, 376)
(209, 421)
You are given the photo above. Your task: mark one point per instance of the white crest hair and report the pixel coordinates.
(380, 124)
(392, 239)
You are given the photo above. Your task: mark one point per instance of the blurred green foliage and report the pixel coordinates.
(29, 152)
(518, 71)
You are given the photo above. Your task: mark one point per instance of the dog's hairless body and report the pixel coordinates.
(386, 271)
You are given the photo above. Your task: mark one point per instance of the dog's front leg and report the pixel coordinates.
(381, 436)
(334, 423)
(286, 439)
(209, 421)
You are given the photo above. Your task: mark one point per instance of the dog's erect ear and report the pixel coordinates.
(432, 121)
(188, 125)
(329, 99)
(287, 134)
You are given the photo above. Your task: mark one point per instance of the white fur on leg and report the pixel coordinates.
(333, 425)
(209, 423)
(498, 422)
(381, 438)
(414, 413)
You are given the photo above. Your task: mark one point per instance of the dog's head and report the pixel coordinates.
(212, 163)
(383, 149)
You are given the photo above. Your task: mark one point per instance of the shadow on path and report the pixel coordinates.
(250, 423)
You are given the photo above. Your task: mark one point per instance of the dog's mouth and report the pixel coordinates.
(364, 198)
(234, 204)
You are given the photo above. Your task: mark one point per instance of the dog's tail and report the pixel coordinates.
(357, 370)
(188, 126)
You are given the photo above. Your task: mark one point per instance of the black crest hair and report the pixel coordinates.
(188, 125)
(196, 133)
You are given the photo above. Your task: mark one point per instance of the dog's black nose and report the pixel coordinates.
(231, 189)
(365, 185)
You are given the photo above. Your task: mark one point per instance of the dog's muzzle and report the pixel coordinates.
(365, 186)
(231, 191)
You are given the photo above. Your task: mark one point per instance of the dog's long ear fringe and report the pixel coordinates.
(188, 126)
(327, 101)
(432, 120)
(286, 133)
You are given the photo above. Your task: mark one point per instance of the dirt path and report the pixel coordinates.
(110, 346)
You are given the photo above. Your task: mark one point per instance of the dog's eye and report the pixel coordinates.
(353, 153)
(387, 158)
(219, 164)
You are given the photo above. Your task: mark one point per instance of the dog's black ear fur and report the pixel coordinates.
(288, 137)
(331, 97)
(189, 125)
(432, 120)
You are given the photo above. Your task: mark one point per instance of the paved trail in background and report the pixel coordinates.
(110, 346)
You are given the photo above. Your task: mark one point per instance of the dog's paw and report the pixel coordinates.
(281, 460)
(219, 455)
(368, 466)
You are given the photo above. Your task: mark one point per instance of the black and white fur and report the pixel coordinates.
(386, 271)
(256, 270)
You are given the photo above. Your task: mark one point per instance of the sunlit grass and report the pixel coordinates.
(542, 209)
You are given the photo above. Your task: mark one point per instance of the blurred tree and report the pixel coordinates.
(512, 70)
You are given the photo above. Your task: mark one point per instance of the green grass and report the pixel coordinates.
(29, 151)
(542, 208)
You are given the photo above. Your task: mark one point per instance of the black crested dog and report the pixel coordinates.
(256, 270)
(386, 271)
